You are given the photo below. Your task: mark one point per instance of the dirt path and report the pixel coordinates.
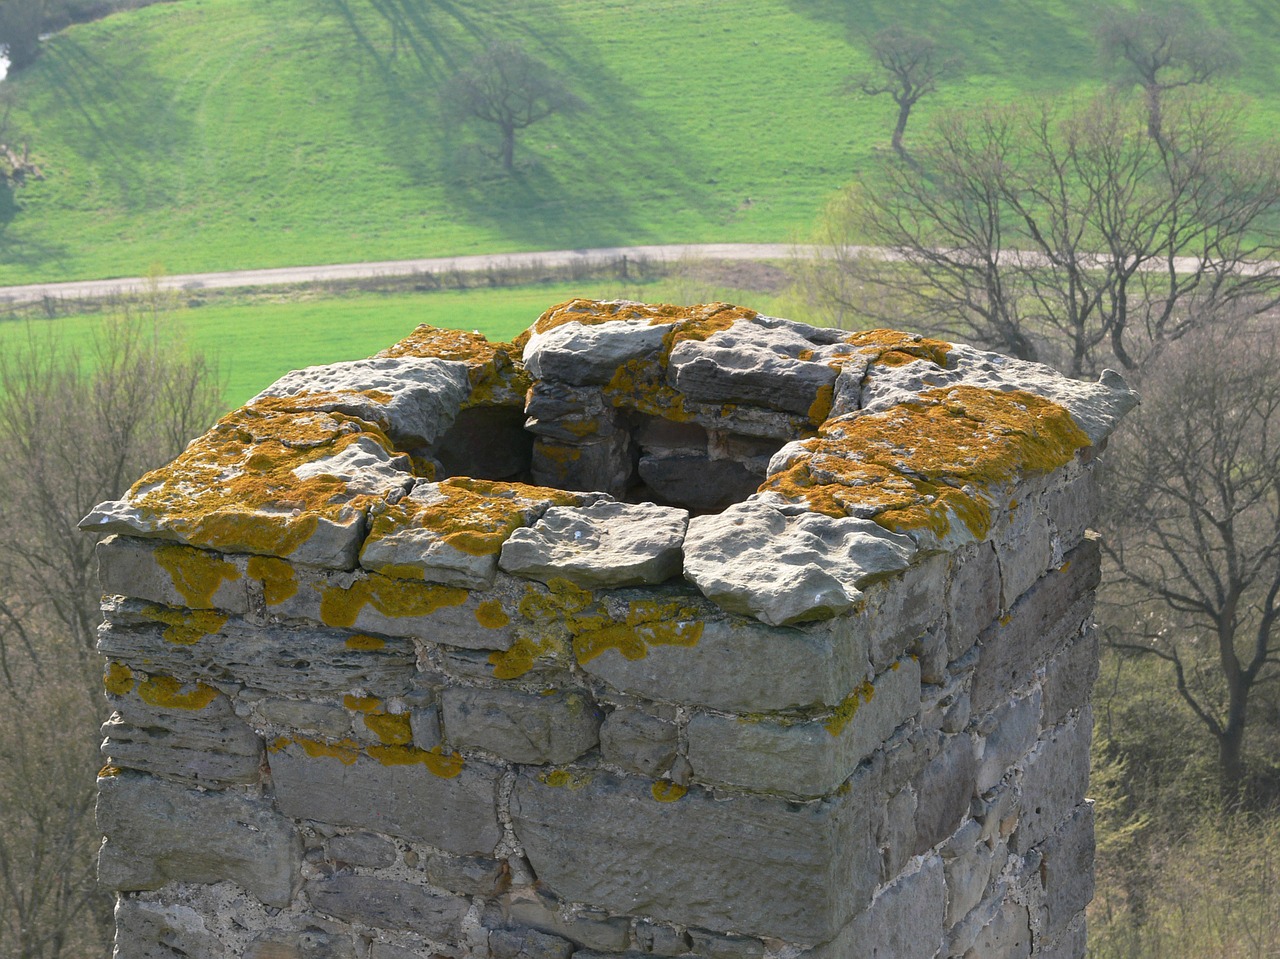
(98, 289)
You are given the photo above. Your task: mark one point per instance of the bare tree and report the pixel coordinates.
(909, 67)
(1196, 508)
(1162, 47)
(1066, 234)
(507, 87)
(80, 421)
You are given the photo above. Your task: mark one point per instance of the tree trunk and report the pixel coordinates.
(904, 112)
(508, 149)
(1155, 119)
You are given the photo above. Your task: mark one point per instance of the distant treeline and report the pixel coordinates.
(62, 13)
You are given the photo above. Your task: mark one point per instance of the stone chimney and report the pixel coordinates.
(667, 631)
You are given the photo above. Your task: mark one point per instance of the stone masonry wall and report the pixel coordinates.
(659, 631)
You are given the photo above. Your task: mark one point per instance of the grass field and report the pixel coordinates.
(215, 134)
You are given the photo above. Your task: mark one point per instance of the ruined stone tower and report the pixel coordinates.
(659, 631)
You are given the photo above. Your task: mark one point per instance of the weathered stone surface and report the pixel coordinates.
(208, 747)
(968, 864)
(807, 758)
(697, 482)
(743, 666)
(451, 532)
(527, 944)
(660, 939)
(468, 875)
(1072, 944)
(637, 741)
(1066, 871)
(686, 861)
(603, 545)
(1007, 936)
(711, 946)
(1045, 617)
(436, 799)
(159, 832)
(520, 727)
(754, 364)
(310, 943)
(1024, 544)
(579, 354)
(328, 722)
(1073, 505)
(1069, 678)
(894, 826)
(269, 658)
(973, 596)
(413, 399)
(571, 414)
(171, 574)
(904, 922)
(389, 904)
(898, 611)
(943, 791)
(1096, 407)
(1054, 779)
(1005, 736)
(152, 930)
(598, 462)
(362, 849)
(589, 929)
(754, 559)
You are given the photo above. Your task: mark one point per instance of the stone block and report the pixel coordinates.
(742, 665)
(1066, 872)
(904, 921)
(178, 576)
(311, 943)
(317, 719)
(588, 929)
(604, 545)
(1069, 678)
(1046, 616)
(1055, 776)
(973, 596)
(804, 758)
(660, 939)
(527, 944)
(520, 727)
(895, 831)
(467, 875)
(1072, 944)
(157, 832)
(943, 790)
(754, 559)
(362, 849)
(709, 945)
(582, 354)
(1005, 735)
(1072, 507)
(1007, 936)
(407, 793)
(388, 904)
(153, 930)
(637, 741)
(898, 611)
(969, 865)
(697, 860)
(602, 465)
(1024, 543)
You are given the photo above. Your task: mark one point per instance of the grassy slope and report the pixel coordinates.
(212, 134)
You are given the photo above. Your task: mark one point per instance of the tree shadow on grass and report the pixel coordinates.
(576, 176)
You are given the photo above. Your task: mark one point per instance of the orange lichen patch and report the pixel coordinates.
(390, 597)
(894, 348)
(491, 367)
(491, 615)
(666, 791)
(308, 401)
(844, 713)
(185, 627)
(106, 772)
(279, 581)
(361, 704)
(520, 657)
(565, 779)
(438, 762)
(392, 730)
(472, 516)
(922, 464)
(820, 408)
(118, 679)
(169, 693)
(364, 643)
(196, 575)
(236, 488)
(346, 751)
(648, 623)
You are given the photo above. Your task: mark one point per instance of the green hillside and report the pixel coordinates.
(215, 134)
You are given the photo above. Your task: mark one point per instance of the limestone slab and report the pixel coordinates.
(388, 904)
(518, 726)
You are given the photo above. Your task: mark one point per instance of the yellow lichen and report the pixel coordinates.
(392, 730)
(648, 623)
(565, 779)
(491, 367)
(438, 762)
(279, 581)
(365, 643)
(926, 462)
(820, 408)
(185, 627)
(844, 713)
(346, 751)
(491, 615)
(390, 597)
(118, 679)
(361, 704)
(169, 693)
(666, 791)
(106, 772)
(520, 657)
(894, 348)
(196, 575)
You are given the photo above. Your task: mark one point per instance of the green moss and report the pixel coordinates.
(848, 708)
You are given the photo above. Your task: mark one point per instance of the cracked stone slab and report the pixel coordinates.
(582, 355)
(412, 399)
(783, 569)
(604, 545)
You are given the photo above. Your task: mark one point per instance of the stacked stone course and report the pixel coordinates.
(660, 631)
